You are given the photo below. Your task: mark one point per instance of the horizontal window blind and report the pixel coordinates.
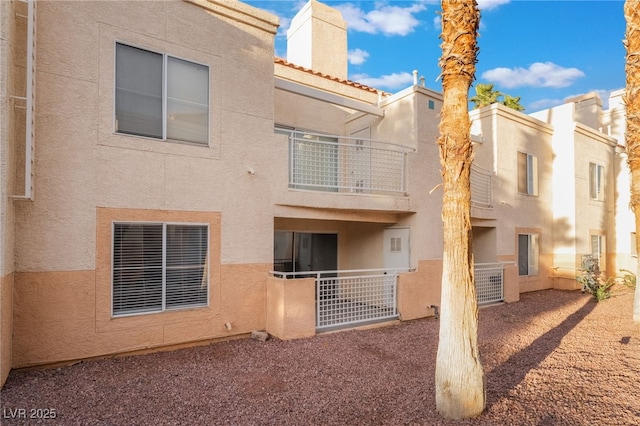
(158, 267)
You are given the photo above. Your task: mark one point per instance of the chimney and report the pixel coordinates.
(317, 39)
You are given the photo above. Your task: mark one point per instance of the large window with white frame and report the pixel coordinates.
(528, 254)
(159, 267)
(596, 182)
(160, 96)
(527, 174)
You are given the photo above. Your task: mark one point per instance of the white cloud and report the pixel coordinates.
(539, 74)
(389, 20)
(284, 26)
(437, 23)
(390, 81)
(549, 102)
(357, 56)
(543, 104)
(491, 4)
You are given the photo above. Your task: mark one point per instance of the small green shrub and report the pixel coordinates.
(591, 280)
(628, 278)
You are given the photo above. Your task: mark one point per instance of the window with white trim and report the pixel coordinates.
(161, 96)
(159, 267)
(596, 182)
(527, 174)
(598, 250)
(528, 254)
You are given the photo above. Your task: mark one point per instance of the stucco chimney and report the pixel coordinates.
(317, 39)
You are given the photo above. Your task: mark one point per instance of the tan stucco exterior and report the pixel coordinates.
(56, 274)
(291, 310)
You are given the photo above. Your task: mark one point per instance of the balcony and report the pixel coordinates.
(342, 164)
(349, 298)
(480, 187)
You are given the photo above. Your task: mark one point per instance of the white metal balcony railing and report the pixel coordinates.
(489, 279)
(480, 186)
(346, 164)
(351, 297)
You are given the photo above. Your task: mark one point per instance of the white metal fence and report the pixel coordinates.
(351, 297)
(480, 180)
(345, 164)
(489, 279)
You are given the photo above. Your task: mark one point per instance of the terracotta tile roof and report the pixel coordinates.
(329, 77)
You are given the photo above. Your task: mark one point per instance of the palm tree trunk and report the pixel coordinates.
(460, 391)
(632, 136)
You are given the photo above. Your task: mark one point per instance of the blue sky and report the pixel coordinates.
(542, 51)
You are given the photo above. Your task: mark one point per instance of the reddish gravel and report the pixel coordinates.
(554, 358)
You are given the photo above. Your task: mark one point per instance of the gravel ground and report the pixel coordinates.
(554, 358)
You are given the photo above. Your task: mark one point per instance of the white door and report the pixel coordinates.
(396, 248)
(396, 255)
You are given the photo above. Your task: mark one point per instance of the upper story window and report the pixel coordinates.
(596, 182)
(160, 96)
(527, 174)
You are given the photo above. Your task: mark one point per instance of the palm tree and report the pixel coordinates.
(460, 391)
(485, 95)
(632, 136)
(512, 102)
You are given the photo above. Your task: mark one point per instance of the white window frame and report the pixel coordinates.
(204, 280)
(531, 173)
(598, 243)
(165, 112)
(532, 255)
(596, 182)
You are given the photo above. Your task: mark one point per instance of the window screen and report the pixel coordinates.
(138, 91)
(145, 108)
(528, 254)
(527, 174)
(596, 182)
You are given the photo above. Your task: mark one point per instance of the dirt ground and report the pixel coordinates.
(554, 358)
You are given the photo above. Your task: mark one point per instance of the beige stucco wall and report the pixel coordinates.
(66, 315)
(408, 120)
(82, 163)
(291, 309)
(317, 39)
(420, 289)
(578, 141)
(504, 133)
(13, 41)
(594, 217)
(87, 175)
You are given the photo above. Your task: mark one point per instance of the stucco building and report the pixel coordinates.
(166, 180)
